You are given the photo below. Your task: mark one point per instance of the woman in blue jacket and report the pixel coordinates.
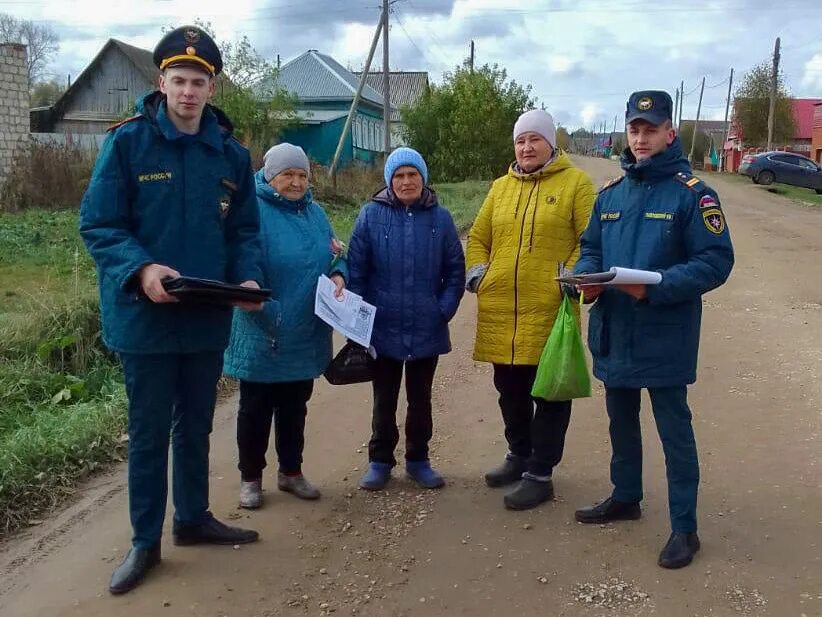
(277, 353)
(405, 257)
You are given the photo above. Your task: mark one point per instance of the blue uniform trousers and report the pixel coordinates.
(673, 422)
(169, 394)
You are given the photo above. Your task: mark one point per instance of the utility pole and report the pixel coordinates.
(386, 82)
(333, 170)
(681, 103)
(774, 79)
(471, 61)
(676, 104)
(727, 126)
(696, 123)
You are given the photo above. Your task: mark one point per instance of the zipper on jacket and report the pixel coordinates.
(516, 265)
(533, 221)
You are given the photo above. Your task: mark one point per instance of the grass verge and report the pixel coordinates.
(796, 193)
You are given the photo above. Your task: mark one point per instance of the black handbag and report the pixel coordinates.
(353, 364)
(205, 291)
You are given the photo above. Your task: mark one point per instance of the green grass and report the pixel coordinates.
(805, 196)
(62, 403)
(795, 193)
(463, 200)
(41, 256)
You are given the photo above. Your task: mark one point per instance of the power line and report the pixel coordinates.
(425, 56)
(639, 7)
(721, 83)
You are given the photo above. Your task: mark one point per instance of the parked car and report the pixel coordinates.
(785, 167)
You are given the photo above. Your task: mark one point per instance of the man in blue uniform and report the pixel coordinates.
(658, 217)
(171, 194)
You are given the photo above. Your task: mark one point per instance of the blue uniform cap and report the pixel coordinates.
(654, 106)
(188, 46)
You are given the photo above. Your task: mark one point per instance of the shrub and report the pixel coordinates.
(50, 175)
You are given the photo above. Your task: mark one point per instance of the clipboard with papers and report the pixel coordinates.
(614, 276)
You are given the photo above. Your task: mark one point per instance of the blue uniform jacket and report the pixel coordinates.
(657, 217)
(184, 201)
(286, 341)
(409, 263)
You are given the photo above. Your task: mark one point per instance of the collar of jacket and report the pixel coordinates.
(386, 196)
(266, 192)
(215, 127)
(558, 162)
(660, 166)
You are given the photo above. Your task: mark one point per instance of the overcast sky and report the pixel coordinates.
(582, 57)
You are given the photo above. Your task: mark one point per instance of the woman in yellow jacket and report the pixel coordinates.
(527, 230)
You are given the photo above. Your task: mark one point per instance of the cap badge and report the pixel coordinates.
(645, 103)
(192, 36)
(191, 51)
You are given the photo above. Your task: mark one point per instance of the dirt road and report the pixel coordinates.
(757, 409)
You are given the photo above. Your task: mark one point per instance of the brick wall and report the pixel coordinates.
(14, 103)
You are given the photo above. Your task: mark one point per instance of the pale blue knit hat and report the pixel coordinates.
(404, 156)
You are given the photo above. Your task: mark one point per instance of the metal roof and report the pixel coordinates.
(317, 77)
(406, 87)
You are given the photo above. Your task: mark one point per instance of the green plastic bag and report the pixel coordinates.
(562, 373)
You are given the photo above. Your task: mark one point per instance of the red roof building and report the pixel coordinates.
(803, 116)
(816, 134)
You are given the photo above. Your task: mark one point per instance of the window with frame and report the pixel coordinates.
(356, 133)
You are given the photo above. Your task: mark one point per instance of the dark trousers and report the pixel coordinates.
(535, 429)
(168, 394)
(285, 404)
(419, 378)
(673, 422)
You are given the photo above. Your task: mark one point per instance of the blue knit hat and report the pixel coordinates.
(404, 156)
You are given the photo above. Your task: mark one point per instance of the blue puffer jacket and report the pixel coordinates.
(183, 201)
(409, 263)
(657, 217)
(286, 341)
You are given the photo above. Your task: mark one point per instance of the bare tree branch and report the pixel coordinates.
(40, 40)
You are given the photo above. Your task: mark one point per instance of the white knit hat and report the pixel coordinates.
(539, 122)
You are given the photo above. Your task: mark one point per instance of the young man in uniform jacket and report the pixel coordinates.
(171, 194)
(658, 217)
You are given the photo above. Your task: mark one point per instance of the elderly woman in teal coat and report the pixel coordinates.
(279, 352)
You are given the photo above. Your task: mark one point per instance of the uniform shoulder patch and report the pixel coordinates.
(714, 220)
(708, 201)
(611, 182)
(122, 122)
(690, 181)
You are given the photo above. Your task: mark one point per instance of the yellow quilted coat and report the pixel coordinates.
(527, 226)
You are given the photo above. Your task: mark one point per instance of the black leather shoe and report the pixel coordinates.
(529, 494)
(509, 472)
(212, 531)
(130, 573)
(679, 551)
(607, 511)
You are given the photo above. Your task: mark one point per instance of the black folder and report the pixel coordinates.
(205, 291)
